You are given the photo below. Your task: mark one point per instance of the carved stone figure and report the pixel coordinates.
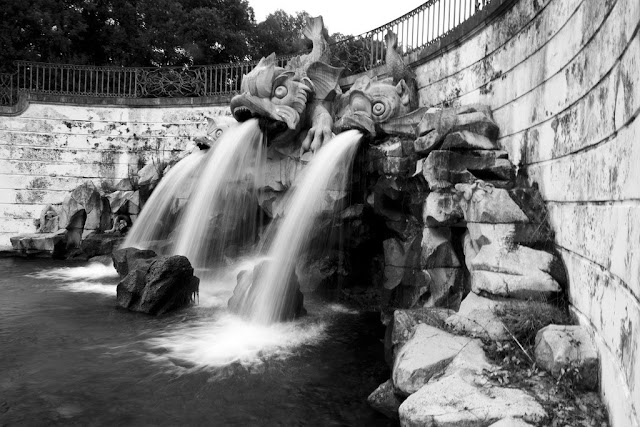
(295, 98)
(48, 221)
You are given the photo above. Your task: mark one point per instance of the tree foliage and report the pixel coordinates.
(143, 32)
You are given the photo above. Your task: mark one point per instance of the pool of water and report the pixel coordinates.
(68, 356)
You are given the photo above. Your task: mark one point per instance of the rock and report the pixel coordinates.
(539, 286)
(454, 401)
(49, 244)
(126, 184)
(242, 300)
(165, 284)
(407, 276)
(442, 169)
(445, 288)
(400, 253)
(477, 317)
(442, 208)
(508, 234)
(149, 174)
(316, 273)
(511, 422)
(567, 347)
(477, 122)
(100, 244)
(384, 400)
(482, 202)
(124, 259)
(468, 141)
(404, 322)
(436, 248)
(85, 200)
(404, 296)
(518, 260)
(427, 353)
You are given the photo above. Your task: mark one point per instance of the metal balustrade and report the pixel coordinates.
(415, 30)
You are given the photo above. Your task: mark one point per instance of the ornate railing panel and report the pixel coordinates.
(415, 30)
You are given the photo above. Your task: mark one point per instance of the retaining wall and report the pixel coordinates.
(49, 149)
(563, 79)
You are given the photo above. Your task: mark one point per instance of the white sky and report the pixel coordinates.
(340, 16)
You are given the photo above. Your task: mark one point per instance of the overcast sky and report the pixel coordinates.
(340, 16)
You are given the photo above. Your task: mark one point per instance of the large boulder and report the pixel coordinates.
(427, 353)
(455, 401)
(161, 285)
(100, 244)
(46, 244)
(568, 350)
(85, 199)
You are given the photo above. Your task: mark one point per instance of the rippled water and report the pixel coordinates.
(68, 356)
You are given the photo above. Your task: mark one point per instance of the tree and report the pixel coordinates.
(280, 33)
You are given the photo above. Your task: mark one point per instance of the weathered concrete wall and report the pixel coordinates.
(563, 79)
(50, 149)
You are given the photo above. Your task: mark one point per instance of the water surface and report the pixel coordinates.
(68, 356)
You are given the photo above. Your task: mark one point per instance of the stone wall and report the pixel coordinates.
(563, 80)
(50, 149)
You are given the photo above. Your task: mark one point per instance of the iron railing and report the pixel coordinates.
(415, 30)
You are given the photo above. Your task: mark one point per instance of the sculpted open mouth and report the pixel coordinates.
(246, 106)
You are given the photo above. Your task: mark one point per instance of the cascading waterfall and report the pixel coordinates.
(151, 226)
(328, 173)
(222, 210)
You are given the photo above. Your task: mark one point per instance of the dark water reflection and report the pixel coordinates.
(72, 358)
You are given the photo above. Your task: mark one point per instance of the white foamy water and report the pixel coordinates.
(93, 271)
(217, 342)
(154, 221)
(328, 172)
(91, 287)
(222, 209)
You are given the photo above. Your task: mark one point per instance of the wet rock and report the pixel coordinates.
(243, 299)
(468, 141)
(408, 276)
(400, 253)
(47, 244)
(442, 208)
(455, 401)
(436, 248)
(125, 259)
(427, 353)
(384, 400)
(163, 284)
(100, 244)
(149, 174)
(561, 348)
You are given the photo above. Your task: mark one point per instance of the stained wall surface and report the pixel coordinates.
(563, 79)
(49, 149)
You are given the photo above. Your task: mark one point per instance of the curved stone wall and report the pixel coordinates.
(563, 79)
(49, 149)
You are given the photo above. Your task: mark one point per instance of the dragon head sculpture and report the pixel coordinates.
(290, 100)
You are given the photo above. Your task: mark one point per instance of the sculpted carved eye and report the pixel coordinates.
(281, 92)
(360, 104)
(217, 132)
(379, 108)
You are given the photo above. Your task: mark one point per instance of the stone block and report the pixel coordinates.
(561, 348)
(539, 287)
(443, 169)
(482, 202)
(445, 288)
(477, 122)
